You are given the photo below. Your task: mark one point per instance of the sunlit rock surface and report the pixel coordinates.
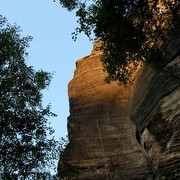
(101, 134)
(124, 133)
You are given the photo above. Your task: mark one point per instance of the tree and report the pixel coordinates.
(132, 31)
(27, 147)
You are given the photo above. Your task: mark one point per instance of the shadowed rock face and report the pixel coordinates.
(124, 133)
(155, 111)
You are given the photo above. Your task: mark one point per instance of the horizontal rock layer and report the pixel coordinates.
(124, 133)
(155, 111)
(101, 134)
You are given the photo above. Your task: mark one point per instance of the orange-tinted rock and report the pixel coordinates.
(103, 143)
(124, 133)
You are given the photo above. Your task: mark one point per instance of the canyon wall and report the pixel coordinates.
(123, 133)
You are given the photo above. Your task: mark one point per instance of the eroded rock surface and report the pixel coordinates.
(155, 112)
(124, 133)
(100, 131)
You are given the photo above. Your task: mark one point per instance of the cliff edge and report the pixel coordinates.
(124, 133)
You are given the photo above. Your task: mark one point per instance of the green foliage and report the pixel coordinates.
(26, 144)
(132, 31)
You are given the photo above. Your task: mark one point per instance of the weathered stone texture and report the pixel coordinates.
(155, 112)
(101, 134)
(125, 133)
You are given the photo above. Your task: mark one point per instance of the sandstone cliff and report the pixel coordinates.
(155, 112)
(124, 133)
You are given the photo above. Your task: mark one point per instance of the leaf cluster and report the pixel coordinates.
(27, 147)
(132, 31)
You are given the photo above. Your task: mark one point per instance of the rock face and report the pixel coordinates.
(123, 133)
(100, 131)
(155, 111)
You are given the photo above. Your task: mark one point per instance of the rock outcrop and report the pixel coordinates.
(155, 112)
(100, 131)
(124, 133)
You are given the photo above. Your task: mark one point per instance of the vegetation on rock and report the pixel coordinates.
(132, 32)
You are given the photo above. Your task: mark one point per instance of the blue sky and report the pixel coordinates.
(52, 48)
